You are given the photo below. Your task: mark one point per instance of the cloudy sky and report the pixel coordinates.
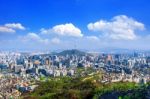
(68, 24)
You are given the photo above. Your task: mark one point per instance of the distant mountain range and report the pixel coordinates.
(81, 53)
(92, 52)
(71, 52)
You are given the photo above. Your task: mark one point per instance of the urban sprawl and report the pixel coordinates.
(19, 71)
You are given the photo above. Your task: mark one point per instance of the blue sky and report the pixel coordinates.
(82, 24)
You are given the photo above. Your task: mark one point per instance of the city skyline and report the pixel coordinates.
(74, 24)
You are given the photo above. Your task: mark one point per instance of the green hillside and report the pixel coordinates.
(87, 87)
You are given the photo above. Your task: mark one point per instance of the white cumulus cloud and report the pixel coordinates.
(120, 27)
(6, 30)
(11, 27)
(34, 37)
(15, 26)
(67, 29)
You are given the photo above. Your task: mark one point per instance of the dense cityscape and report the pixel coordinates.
(74, 49)
(19, 72)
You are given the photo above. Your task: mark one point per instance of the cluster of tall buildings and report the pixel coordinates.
(56, 65)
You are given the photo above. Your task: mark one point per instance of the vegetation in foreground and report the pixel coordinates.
(85, 88)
